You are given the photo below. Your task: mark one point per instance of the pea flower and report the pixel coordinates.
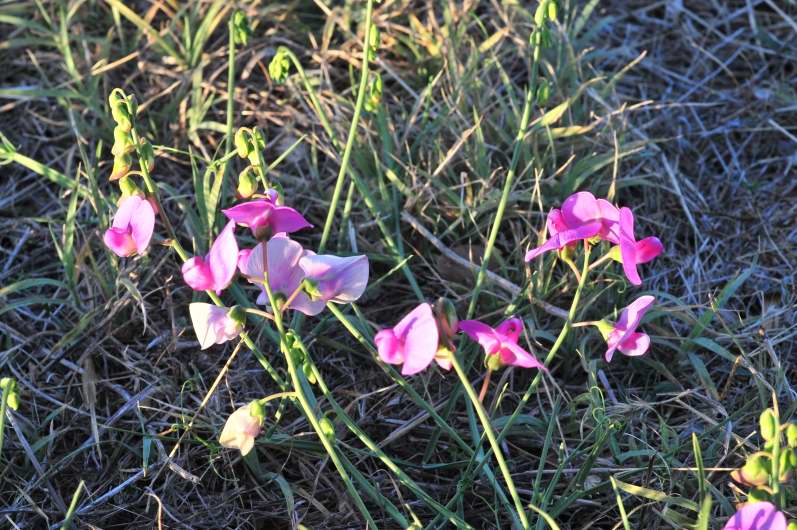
(582, 216)
(280, 257)
(413, 342)
(334, 279)
(213, 325)
(132, 227)
(757, 516)
(502, 341)
(214, 271)
(623, 335)
(633, 252)
(241, 429)
(264, 217)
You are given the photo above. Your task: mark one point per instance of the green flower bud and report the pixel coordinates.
(243, 145)
(755, 472)
(792, 526)
(6, 382)
(374, 98)
(121, 167)
(13, 401)
(552, 10)
(240, 29)
(308, 373)
(373, 42)
(147, 154)
(791, 435)
(543, 93)
(280, 66)
(9, 391)
(327, 428)
(786, 465)
(540, 13)
(122, 142)
(247, 183)
(120, 109)
(768, 424)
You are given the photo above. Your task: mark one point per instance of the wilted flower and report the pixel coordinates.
(582, 216)
(502, 341)
(284, 273)
(334, 279)
(633, 252)
(757, 516)
(264, 217)
(212, 324)
(623, 335)
(413, 342)
(132, 227)
(214, 271)
(241, 429)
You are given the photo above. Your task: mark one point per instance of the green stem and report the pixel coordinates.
(488, 431)
(3, 408)
(307, 408)
(344, 163)
(230, 97)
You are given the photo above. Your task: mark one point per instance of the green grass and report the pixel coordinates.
(444, 187)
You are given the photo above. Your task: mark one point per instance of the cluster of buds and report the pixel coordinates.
(762, 472)
(10, 395)
(239, 29)
(374, 96)
(249, 145)
(280, 66)
(126, 142)
(546, 10)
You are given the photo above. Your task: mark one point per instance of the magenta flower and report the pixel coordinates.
(412, 342)
(333, 278)
(582, 216)
(633, 252)
(757, 516)
(132, 227)
(212, 324)
(284, 273)
(502, 341)
(214, 272)
(264, 217)
(243, 257)
(623, 335)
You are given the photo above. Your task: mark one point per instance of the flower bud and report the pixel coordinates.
(792, 526)
(129, 187)
(552, 10)
(373, 43)
(122, 142)
(543, 93)
(9, 391)
(243, 146)
(327, 428)
(121, 166)
(147, 154)
(787, 460)
(279, 66)
(447, 321)
(791, 435)
(308, 372)
(247, 183)
(768, 424)
(540, 13)
(755, 471)
(374, 98)
(240, 29)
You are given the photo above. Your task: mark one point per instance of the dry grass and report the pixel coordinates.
(699, 136)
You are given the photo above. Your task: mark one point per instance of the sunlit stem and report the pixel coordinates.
(258, 312)
(3, 409)
(307, 408)
(600, 261)
(488, 431)
(485, 385)
(291, 298)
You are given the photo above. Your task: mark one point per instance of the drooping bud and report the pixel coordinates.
(120, 109)
(755, 472)
(552, 10)
(327, 428)
(769, 425)
(543, 93)
(447, 321)
(240, 29)
(791, 435)
(121, 166)
(373, 43)
(374, 98)
(280, 66)
(122, 142)
(247, 183)
(8, 386)
(128, 187)
(258, 142)
(243, 145)
(147, 154)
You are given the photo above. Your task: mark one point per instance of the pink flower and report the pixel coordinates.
(214, 271)
(633, 252)
(335, 279)
(582, 216)
(502, 341)
(264, 217)
(212, 324)
(240, 430)
(284, 273)
(413, 342)
(243, 257)
(623, 335)
(757, 516)
(132, 227)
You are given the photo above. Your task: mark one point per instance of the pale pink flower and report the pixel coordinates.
(132, 227)
(757, 516)
(240, 430)
(624, 336)
(502, 341)
(413, 342)
(335, 279)
(582, 216)
(212, 324)
(284, 273)
(215, 271)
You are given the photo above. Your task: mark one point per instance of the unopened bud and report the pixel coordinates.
(279, 66)
(447, 320)
(768, 424)
(147, 155)
(243, 146)
(121, 166)
(240, 29)
(122, 142)
(374, 98)
(247, 183)
(791, 435)
(128, 187)
(552, 10)
(327, 428)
